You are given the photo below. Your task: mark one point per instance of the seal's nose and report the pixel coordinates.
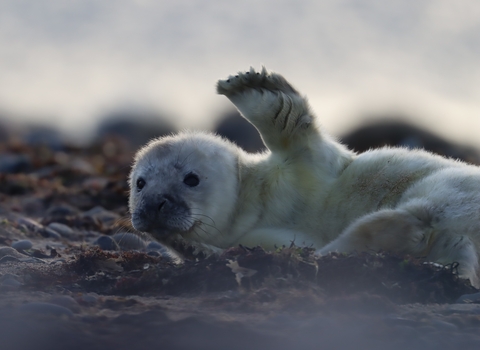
(161, 211)
(158, 204)
(164, 203)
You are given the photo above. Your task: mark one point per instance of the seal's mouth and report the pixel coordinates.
(184, 229)
(162, 225)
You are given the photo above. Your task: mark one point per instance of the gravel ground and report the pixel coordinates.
(74, 275)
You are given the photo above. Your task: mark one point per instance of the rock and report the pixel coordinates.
(30, 224)
(157, 249)
(90, 299)
(82, 166)
(39, 308)
(32, 260)
(90, 234)
(398, 133)
(65, 301)
(33, 206)
(107, 218)
(136, 126)
(8, 258)
(14, 163)
(9, 251)
(469, 299)
(48, 232)
(405, 331)
(154, 253)
(154, 246)
(462, 309)
(400, 321)
(443, 325)
(8, 276)
(43, 135)
(23, 244)
(62, 210)
(61, 229)
(10, 282)
(129, 241)
(106, 243)
(95, 183)
(58, 261)
(427, 329)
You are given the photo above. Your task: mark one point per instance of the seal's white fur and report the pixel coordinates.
(310, 189)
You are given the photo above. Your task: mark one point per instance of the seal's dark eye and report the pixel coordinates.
(140, 183)
(191, 180)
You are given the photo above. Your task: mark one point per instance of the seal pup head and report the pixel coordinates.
(184, 184)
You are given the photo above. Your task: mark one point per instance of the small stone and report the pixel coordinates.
(8, 276)
(39, 308)
(89, 299)
(47, 232)
(463, 308)
(427, 329)
(157, 249)
(65, 301)
(61, 211)
(469, 299)
(8, 258)
(95, 183)
(154, 253)
(129, 241)
(35, 136)
(405, 332)
(32, 260)
(23, 244)
(94, 211)
(14, 163)
(61, 229)
(58, 261)
(443, 325)
(9, 251)
(400, 321)
(154, 246)
(89, 234)
(81, 165)
(107, 218)
(106, 243)
(10, 282)
(30, 224)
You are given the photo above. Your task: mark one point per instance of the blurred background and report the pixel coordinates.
(89, 67)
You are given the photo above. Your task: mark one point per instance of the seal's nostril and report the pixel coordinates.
(162, 204)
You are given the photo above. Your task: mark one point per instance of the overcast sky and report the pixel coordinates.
(70, 62)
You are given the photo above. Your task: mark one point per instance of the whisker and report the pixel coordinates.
(206, 216)
(212, 226)
(198, 214)
(201, 228)
(195, 231)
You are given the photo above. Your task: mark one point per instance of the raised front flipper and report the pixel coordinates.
(281, 115)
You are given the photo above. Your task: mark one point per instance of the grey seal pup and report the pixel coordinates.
(307, 188)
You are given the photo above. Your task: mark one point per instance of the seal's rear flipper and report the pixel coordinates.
(411, 231)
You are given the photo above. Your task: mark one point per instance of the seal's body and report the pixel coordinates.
(307, 189)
